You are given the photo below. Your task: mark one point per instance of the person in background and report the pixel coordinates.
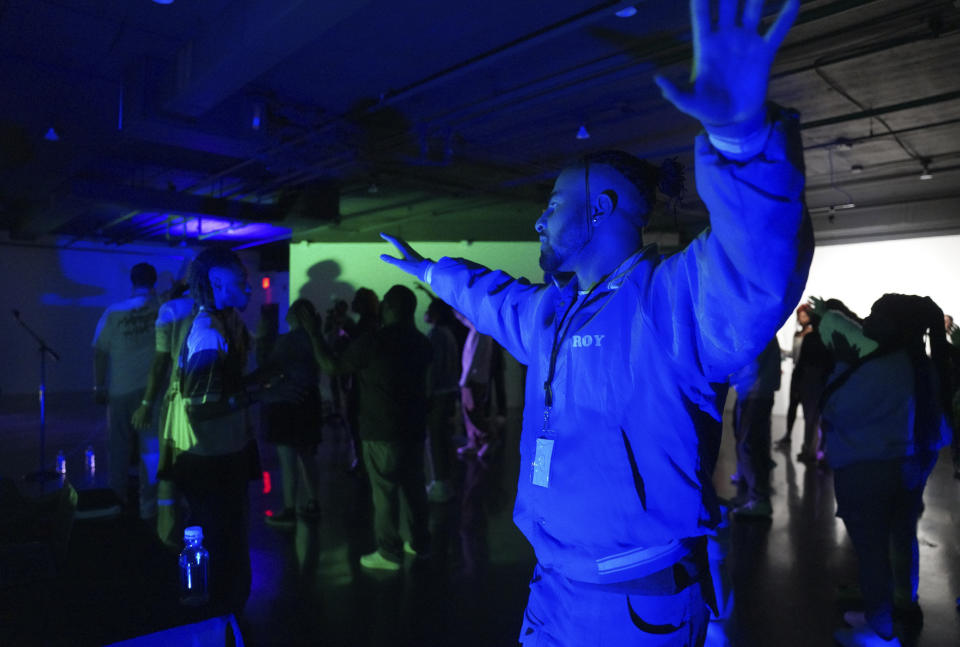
(810, 370)
(498, 388)
(390, 365)
(474, 383)
(123, 351)
(335, 327)
(953, 336)
(367, 307)
(755, 385)
(295, 427)
(214, 469)
(804, 328)
(444, 389)
(884, 414)
(172, 325)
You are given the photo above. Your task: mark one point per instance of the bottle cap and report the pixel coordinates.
(193, 533)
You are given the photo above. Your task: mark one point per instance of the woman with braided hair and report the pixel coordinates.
(884, 418)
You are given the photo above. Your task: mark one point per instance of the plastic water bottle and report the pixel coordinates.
(61, 466)
(90, 461)
(194, 568)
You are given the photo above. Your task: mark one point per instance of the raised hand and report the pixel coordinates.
(731, 66)
(410, 261)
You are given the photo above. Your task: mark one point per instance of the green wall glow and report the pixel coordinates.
(323, 272)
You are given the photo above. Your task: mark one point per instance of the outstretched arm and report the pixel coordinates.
(727, 92)
(498, 304)
(410, 260)
(729, 291)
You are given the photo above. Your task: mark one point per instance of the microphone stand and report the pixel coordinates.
(42, 474)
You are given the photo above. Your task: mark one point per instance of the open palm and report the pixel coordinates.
(731, 62)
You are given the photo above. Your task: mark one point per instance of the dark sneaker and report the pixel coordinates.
(286, 518)
(863, 636)
(309, 512)
(754, 509)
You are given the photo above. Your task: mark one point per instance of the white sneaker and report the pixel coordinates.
(377, 561)
(863, 636)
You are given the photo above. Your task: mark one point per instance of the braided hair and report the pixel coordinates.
(198, 276)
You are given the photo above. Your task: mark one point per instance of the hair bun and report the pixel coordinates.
(671, 180)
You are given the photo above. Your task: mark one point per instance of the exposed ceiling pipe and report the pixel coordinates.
(543, 91)
(910, 175)
(127, 216)
(873, 112)
(883, 135)
(150, 230)
(523, 93)
(587, 17)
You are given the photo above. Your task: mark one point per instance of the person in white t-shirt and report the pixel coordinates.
(123, 351)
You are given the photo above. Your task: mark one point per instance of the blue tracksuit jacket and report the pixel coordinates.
(641, 374)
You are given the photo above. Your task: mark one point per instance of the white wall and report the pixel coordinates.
(61, 294)
(860, 273)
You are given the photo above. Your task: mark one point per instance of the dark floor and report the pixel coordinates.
(115, 581)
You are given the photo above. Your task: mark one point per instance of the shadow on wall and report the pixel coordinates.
(61, 294)
(323, 287)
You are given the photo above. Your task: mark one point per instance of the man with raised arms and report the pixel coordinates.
(629, 354)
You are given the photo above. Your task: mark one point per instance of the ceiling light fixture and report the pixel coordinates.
(627, 12)
(51, 135)
(926, 174)
(583, 133)
(163, 2)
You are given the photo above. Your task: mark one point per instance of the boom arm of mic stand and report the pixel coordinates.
(44, 348)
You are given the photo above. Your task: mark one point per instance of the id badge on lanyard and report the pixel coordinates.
(540, 474)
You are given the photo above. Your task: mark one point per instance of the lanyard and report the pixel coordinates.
(558, 338)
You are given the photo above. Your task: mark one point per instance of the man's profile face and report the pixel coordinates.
(230, 287)
(561, 226)
(947, 322)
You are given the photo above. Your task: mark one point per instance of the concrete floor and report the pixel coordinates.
(792, 577)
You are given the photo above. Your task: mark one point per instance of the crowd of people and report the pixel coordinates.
(178, 368)
(629, 356)
(879, 395)
(884, 400)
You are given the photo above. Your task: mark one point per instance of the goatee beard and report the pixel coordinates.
(548, 259)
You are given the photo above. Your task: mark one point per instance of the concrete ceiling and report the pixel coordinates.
(437, 120)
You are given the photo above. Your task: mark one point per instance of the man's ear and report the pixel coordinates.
(605, 203)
